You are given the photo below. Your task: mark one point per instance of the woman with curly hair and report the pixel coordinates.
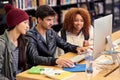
(77, 28)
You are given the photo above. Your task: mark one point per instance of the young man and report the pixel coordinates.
(42, 41)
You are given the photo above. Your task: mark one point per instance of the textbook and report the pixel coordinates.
(77, 68)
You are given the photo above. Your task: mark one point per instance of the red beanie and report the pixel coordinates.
(8, 7)
(15, 16)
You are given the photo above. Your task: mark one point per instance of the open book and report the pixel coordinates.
(59, 74)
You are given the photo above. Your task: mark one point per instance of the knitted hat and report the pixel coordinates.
(15, 16)
(8, 7)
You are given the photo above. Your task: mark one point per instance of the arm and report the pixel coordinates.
(67, 47)
(59, 51)
(2, 48)
(91, 35)
(33, 55)
(85, 43)
(90, 40)
(34, 58)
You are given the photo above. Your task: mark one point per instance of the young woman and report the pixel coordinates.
(77, 28)
(12, 44)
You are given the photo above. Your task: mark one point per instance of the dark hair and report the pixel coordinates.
(70, 17)
(11, 28)
(22, 62)
(44, 11)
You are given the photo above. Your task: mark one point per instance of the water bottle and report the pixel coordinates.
(89, 62)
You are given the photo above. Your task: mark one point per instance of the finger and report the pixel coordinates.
(68, 63)
(83, 50)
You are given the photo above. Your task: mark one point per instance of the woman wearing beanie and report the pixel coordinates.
(12, 44)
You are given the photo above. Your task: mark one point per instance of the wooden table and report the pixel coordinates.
(80, 75)
(26, 76)
(116, 35)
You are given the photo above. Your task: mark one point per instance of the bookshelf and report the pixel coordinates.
(3, 25)
(97, 8)
(59, 6)
(113, 7)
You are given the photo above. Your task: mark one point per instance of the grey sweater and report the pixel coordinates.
(6, 69)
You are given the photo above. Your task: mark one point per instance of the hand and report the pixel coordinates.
(81, 50)
(85, 43)
(64, 62)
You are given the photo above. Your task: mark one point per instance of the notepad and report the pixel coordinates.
(77, 68)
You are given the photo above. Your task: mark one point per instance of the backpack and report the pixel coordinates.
(63, 35)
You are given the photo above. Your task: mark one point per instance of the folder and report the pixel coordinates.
(77, 68)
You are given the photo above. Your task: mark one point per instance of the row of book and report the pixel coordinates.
(87, 0)
(25, 4)
(32, 4)
(54, 2)
(64, 2)
(48, 2)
